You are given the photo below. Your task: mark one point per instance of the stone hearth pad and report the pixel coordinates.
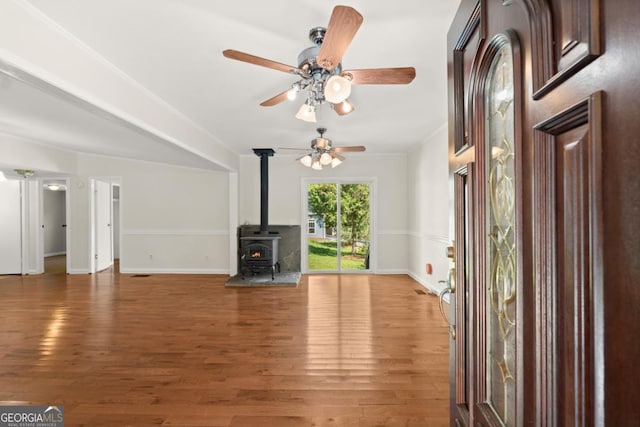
(281, 279)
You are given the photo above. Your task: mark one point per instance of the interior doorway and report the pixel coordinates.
(338, 226)
(102, 222)
(115, 190)
(54, 225)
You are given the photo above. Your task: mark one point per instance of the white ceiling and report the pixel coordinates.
(173, 48)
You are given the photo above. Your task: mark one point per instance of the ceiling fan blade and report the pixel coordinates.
(353, 148)
(381, 76)
(343, 25)
(296, 149)
(256, 60)
(275, 100)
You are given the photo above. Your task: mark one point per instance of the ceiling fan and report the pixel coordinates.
(323, 153)
(320, 68)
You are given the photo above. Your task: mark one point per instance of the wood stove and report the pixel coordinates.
(260, 252)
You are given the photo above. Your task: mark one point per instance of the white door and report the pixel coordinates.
(103, 234)
(10, 226)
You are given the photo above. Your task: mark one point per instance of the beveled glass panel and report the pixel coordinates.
(501, 249)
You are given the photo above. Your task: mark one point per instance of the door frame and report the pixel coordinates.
(483, 412)
(461, 305)
(304, 211)
(67, 206)
(32, 249)
(111, 180)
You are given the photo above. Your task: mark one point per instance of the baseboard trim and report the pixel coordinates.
(172, 271)
(433, 289)
(78, 271)
(391, 271)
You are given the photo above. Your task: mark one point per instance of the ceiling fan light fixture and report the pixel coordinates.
(336, 160)
(53, 186)
(306, 160)
(325, 159)
(344, 108)
(307, 113)
(323, 153)
(292, 93)
(321, 143)
(337, 89)
(25, 173)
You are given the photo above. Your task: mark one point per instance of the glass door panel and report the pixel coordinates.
(500, 236)
(322, 242)
(354, 226)
(338, 236)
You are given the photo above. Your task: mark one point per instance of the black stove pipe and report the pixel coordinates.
(264, 154)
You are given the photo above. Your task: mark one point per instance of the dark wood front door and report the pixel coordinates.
(544, 152)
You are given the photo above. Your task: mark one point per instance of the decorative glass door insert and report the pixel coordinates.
(500, 192)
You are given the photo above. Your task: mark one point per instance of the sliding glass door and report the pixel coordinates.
(338, 226)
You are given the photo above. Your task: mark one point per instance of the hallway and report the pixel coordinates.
(356, 350)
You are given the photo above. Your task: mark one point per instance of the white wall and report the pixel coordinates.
(10, 227)
(285, 178)
(53, 218)
(173, 219)
(23, 154)
(78, 215)
(428, 208)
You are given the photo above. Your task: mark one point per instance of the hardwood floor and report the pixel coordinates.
(120, 350)
(55, 264)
